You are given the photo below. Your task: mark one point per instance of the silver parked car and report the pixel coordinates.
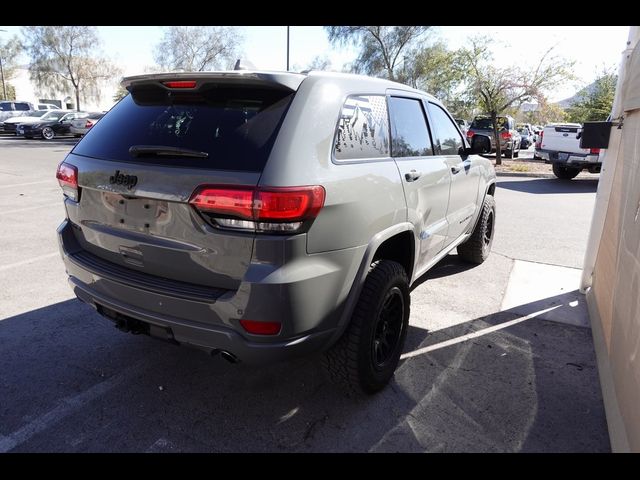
(81, 126)
(262, 215)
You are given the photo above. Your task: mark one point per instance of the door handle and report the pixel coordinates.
(455, 169)
(412, 176)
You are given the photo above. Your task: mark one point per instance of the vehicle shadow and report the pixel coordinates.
(72, 382)
(449, 265)
(551, 185)
(15, 141)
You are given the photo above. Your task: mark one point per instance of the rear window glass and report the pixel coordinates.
(236, 126)
(363, 130)
(567, 129)
(486, 124)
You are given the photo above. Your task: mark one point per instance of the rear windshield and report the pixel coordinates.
(486, 124)
(236, 126)
(567, 129)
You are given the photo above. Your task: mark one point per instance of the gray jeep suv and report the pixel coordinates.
(262, 215)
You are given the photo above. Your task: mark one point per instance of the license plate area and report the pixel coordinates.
(135, 212)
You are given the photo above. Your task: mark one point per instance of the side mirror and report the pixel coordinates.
(479, 144)
(595, 135)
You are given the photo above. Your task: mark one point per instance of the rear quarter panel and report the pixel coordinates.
(362, 198)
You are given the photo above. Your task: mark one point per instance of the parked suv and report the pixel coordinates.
(262, 215)
(509, 136)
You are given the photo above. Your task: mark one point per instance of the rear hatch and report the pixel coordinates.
(141, 164)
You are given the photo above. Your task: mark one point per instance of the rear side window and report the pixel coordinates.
(363, 129)
(409, 128)
(445, 131)
(22, 106)
(235, 125)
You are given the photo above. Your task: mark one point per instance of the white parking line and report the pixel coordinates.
(51, 181)
(26, 209)
(67, 407)
(28, 260)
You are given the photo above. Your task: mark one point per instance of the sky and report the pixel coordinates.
(591, 47)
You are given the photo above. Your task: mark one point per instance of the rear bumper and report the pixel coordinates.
(308, 300)
(504, 144)
(578, 159)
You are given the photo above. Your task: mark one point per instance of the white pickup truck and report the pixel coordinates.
(560, 145)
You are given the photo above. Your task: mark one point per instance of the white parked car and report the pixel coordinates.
(80, 126)
(10, 124)
(47, 106)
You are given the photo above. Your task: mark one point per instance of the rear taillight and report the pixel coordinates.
(89, 124)
(594, 151)
(67, 176)
(505, 135)
(263, 209)
(470, 134)
(261, 328)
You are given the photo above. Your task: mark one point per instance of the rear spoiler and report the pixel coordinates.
(279, 80)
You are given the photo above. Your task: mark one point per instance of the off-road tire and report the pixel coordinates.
(478, 246)
(351, 361)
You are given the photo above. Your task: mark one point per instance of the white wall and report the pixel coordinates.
(26, 91)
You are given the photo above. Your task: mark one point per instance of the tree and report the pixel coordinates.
(594, 103)
(499, 89)
(9, 53)
(381, 47)
(443, 73)
(197, 48)
(319, 63)
(545, 113)
(120, 93)
(11, 91)
(63, 57)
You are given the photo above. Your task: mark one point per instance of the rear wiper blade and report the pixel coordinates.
(138, 150)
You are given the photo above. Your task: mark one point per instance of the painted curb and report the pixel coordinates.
(525, 174)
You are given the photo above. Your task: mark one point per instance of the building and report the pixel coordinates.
(611, 274)
(27, 91)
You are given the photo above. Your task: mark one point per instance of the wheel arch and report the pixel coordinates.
(395, 243)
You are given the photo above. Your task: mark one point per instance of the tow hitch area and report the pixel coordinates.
(124, 322)
(128, 324)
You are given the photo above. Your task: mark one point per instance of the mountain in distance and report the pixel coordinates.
(567, 102)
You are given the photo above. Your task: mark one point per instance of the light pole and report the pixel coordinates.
(287, 48)
(4, 89)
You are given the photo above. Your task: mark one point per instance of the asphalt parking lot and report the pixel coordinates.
(475, 376)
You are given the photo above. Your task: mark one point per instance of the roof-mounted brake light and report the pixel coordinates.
(180, 84)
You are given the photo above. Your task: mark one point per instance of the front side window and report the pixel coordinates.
(410, 133)
(445, 131)
(363, 129)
